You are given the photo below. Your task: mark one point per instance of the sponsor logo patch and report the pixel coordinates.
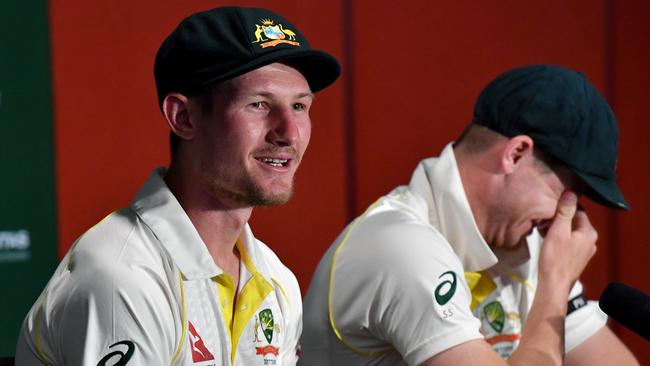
(446, 288)
(120, 356)
(200, 352)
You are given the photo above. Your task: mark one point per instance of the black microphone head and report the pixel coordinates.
(628, 306)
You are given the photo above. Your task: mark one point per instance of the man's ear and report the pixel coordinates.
(514, 151)
(176, 111)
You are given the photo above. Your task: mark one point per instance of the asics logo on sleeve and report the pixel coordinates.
(446, 289)
(124, 357)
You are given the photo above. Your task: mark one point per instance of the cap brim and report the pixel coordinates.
(319, 68)
(604, 191)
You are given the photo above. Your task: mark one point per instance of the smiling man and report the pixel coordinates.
(475, 262)
(178, 278)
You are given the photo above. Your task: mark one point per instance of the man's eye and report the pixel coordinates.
(299, 107)
(257, 105)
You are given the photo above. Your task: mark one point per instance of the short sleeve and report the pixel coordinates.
(96, 314)
(584, 319)
(397, 284)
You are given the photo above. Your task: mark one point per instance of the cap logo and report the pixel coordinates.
(275, 34)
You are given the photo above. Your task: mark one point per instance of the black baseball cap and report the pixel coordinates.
(220, 44)
(566, 117)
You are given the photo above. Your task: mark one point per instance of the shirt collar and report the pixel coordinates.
(158, 208)
(160, 211)
(252, 256)
(437, 181)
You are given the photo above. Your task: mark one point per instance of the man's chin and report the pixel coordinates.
(259, 198)
(273, 201)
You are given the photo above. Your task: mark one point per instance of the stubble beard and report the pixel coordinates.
(247, 192)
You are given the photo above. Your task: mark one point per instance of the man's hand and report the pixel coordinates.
(569, 243)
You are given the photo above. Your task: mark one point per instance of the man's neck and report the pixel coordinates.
(218, 225)
(476, 183)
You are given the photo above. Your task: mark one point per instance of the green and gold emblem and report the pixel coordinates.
(266, 320)
(495, 315)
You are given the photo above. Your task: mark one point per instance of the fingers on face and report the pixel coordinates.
(567, 206)
(582, 224)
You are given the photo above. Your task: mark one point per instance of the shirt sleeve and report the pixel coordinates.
(95, 313)
(398, 285)
(584, 319)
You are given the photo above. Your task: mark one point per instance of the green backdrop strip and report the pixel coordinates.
(27, 202)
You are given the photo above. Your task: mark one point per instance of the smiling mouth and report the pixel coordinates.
(278, 163)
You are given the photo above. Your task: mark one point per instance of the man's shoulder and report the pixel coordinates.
(117, 254)
(118, 239)
(111, 227)
(396, 233)
(391, 244)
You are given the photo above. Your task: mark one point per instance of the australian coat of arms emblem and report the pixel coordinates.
(269, 34)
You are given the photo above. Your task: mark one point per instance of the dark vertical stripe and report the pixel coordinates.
(348, 109)
(27, 199)
(610, 94)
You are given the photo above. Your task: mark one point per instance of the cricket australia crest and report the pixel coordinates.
(265, 322)
(269, 34)
(495, 315)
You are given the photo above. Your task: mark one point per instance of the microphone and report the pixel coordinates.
(628, 306)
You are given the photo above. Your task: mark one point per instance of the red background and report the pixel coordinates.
(412, 71)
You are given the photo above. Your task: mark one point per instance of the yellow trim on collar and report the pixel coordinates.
(226, 288)
(481, 286)
(284, 293)
(245, 257)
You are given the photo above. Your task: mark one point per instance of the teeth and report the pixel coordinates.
(275, 162)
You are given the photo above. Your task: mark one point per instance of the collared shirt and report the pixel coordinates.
(140, 287)
(413, 277)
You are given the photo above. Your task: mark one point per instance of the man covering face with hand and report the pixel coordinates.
(476, 260)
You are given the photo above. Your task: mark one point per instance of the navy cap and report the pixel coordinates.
(565, 116)
(223, 43)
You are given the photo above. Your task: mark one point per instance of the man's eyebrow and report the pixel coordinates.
(306, 94)
(272, 95)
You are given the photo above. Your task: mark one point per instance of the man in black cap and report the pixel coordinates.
(178, 278)
(479, 256)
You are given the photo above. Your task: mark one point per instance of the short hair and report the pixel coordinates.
(476, 139)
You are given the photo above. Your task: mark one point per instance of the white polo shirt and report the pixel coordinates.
(141, 288)
(413, 277)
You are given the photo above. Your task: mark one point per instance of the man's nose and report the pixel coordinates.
(284, 130)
